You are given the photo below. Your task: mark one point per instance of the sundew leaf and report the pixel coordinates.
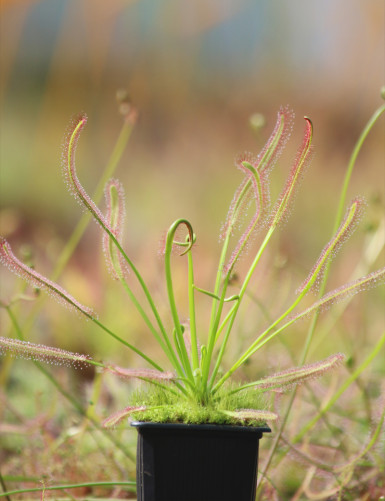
(37, 280)
(297, 375)
(69, 169)
(118, 416)
(264, 163)
(180, 244)
(258, 183)
(241, 200)
(347, 290)
(178, 333)
(277, 141)
(40, 352)
(302, 160)
(346, 228)
(114, 195)
(148, 374)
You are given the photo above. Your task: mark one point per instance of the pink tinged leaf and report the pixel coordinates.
(346, 228)
(69, 168)
(299, 375)
(348, 290)
(114, 195)
(42, 353)
(252, 415)
(302, 160)
(277, 141)
(148, 374)
(264, 164)
(258, 184)
(37, 280)
(117, 417)
(237, 208)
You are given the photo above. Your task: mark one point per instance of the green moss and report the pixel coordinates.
(165, 406)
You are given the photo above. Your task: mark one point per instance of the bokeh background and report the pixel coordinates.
(196, 71)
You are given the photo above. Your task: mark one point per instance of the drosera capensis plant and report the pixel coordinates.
(195, 387)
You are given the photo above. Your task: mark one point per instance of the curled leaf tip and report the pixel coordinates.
(171, 242)
(309, 128)
(69, 169)
(190, 240)
(302, 160)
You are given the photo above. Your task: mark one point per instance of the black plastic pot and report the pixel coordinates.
(178, 462)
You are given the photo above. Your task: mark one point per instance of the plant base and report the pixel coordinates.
(178, 462)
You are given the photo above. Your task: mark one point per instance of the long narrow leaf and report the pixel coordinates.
(345, 229)
(44, 353)
(114, 195)
(302, 160)
(296, 375)
(38, 280)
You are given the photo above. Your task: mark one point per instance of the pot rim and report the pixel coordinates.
(151, 425)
